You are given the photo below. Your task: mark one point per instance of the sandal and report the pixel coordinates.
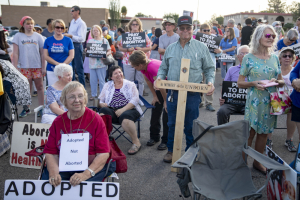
(134, 148)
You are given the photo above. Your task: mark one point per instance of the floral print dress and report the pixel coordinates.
(257, 109)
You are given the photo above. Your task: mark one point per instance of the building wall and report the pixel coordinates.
(148, 24)
(11, 15)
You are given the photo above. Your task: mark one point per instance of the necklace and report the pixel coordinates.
(78, 126)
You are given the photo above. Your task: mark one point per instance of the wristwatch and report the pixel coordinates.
(92, 172)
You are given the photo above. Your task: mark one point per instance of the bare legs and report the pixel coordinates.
(129, 127)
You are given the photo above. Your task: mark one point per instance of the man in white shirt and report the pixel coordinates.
(230, 24)
(77, 32)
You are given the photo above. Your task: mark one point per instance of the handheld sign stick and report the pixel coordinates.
(183, 86)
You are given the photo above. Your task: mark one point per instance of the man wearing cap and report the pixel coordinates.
(261, 21)
(216, 24)
(77, 32)
(169, 38)
(102, 23)
(200, 62)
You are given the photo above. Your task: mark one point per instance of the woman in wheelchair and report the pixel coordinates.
(74, 98)
(53, 105)
(120, 99)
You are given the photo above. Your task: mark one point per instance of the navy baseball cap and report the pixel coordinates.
(104, 29)
(185, 20)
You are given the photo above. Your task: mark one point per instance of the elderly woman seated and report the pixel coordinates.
(53, 106)
(120, 99)
(74, 98)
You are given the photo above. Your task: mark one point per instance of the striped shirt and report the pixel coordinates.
(118, 100)
(201, 62)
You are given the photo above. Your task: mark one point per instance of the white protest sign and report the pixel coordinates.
(296, 48)
(27, 136)
(188, 13)
(36, 190)
(74, 152)
(227, 58)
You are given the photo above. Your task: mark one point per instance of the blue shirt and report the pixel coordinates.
(156, 41)
(199, 55)
(58, 50)
(295, 96)
(280, 44)
(112, 34)
(228, 44)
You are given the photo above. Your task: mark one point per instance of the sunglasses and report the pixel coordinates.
(285, 56)
(185, 28)
(134, 24)
(206, 30)
(292, 40)
(168, 24)
(58, 27)
(73, 10)
(270, 35)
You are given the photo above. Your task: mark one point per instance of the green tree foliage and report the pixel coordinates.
(277, 6)
(198, 22)
(220, 19)
(171, 15)
(114, 12)
(288, 26)
(124, 11)
(295, 10)
(140, 15)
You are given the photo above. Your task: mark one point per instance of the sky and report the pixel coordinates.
(157, 8)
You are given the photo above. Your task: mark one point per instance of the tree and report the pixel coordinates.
(171, 15)
(196, 21)
(114, 12)
(267, 11)
(288, 26)
(124, 11)
(295, 10)
(212, 18)
(220, 19)
(277, 6)
(140, 15)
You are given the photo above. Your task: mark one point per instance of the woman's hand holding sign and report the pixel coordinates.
(55, 180)
(79, 177)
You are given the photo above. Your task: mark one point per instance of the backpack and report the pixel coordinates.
(5, 113)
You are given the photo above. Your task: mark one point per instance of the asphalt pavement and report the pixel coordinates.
(148, 177)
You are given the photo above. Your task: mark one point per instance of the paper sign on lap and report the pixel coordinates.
(74, 152)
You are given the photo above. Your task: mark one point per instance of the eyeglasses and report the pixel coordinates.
(73, 10)
(73, 97)
(285, 56)
(206, 30)
(270, 35)
(168, 24)
(242, 54)
(134, 24)
(185, 28)
(58, 27)
(292, 40)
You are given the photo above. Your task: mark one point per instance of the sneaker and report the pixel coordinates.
(269, 143)
(162, 146)
(40, 113)
(24, 113)
(201, 105)
(290, 145)
(34, 94)
(168, 157)
(210, 108)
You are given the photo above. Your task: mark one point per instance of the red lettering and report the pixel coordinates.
(43, 141)
(37, 162)
(32, 160)
(14, 157)
(25, 161)
(20, 160)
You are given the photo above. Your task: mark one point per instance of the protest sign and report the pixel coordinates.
(282, 184)
(227, 58)
(296, 48)
(188, 13)
(74, 152)
(232, 94)
(37, 189)
(211, 41)
(134, 40)
(96, 50)
(27, 136)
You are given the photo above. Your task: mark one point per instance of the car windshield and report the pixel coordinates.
(13, 33)
(14, 28)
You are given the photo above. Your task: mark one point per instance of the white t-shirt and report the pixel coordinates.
(287, 81)
(29, 49)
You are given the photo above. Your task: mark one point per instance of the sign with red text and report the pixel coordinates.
(188, 13)
(36, 190)
(27, 136)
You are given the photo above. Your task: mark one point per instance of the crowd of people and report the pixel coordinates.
(55, 54)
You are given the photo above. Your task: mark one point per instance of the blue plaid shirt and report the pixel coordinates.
(201, 62)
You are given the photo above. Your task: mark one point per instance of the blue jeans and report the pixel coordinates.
(97, 178)
(120, 63)
(191, 113)
(95, 76)
(77, 63)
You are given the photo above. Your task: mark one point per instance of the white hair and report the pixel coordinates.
(292, 33)
(231, 21)
(257, 35)
(242, 47)
(62, 68)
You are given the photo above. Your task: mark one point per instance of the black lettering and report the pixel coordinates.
(32, 144)
(94, 189)
(25, 129)
(107, 190)
(25, 187)
(81, 188)
(15, 190)
(62, 187)
(43, 189)
(42, 131)
(37, 132)
(47, 132)
(271, 154)
(28, 143)
(31, 130)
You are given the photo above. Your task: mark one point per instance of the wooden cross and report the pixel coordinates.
(183, 86)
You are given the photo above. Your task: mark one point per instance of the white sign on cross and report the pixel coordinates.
(183, 87)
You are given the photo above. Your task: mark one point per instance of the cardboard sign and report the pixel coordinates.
(211, 41)
(74, 152)
(188, 13)
(36, 190)
(27, 136)
(96, 50)
(282, 184)
(134, 40)
(232, 94)
(296, 48)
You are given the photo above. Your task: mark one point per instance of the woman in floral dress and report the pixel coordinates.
(260, 64)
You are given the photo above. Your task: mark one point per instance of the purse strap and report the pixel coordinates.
(201, 135)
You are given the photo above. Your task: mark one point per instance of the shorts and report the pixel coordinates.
(295, 114)
(32, 73)
(132, 115)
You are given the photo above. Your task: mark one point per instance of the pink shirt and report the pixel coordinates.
(152, 70)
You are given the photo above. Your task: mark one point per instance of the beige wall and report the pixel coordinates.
(11, 15)
(148, 24)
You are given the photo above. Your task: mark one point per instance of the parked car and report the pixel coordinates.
(11, 36)
(11, 28)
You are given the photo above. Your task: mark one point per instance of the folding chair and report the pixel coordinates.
(215, 164)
